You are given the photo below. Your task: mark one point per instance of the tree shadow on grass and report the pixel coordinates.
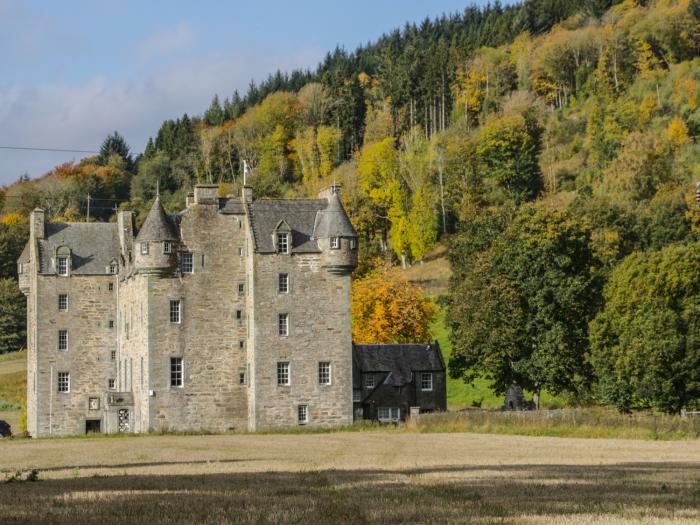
(484, 494)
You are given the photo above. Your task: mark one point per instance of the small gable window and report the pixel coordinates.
(167, 247)
(62, 265)
(282, 243)
(144, 248)
(112, 267)
(335, 243)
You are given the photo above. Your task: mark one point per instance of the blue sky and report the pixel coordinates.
(72, 72)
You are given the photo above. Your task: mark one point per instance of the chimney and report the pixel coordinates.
(325, 193)
(189, 200)
(125, 224)
(247, 194)
(36, 224)
(206, 194)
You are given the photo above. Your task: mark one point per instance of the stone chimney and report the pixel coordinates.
(247, 194)
(206, 194)
(325, 193)
(36, 224)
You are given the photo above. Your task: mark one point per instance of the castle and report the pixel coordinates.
(233, 314)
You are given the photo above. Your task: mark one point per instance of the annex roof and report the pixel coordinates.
(333, 221)
(400, 361)
(299, 214)
(93, 246)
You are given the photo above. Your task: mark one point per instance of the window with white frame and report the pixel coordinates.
(241, 378)
(113, 355)
(324, 373)
(283, 283)
(112, 267)
(303, 414)
(176, 371)
(63, 340)
(369, 381)
(282, 243)
(167, 247)
(283, 324)
(112, 384)
(144, 248)
(356, 396)
(20, 268)
(241, 289)
(187, 262)
(62, 265)
(63, 382)
(111, 287)
(353, 243)
(388, 414)
(283, 373)
(63, 302)
(335, 243)
(175, 311)
(426, 381)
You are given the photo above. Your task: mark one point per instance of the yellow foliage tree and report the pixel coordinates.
(386, 308)
(677, 133)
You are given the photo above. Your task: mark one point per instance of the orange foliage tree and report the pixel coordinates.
(386, 308)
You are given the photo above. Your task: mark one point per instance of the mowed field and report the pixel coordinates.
(13, 388)
(351, 477)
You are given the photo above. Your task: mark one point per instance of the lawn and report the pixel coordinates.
(351, 477)
(13, 387)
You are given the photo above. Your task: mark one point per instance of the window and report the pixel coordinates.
(62, 302)
(62, 265)
(240, 252)
(239, 315)
(113, 268)
(63, 340)
(176, 371)
(324, 373)
(111, 286)
(303, 414)
(426, 381)
(63, 382)
(335, 243)
(112, 384)
(111, 323)
(175, 312)
(241, 289)
(241, 344)
(388, 414)
(93, 403)
(353, 243)
(144, 248)
(283, 283)
(283, 373)
(369, 381)
(167, 247)
(241, 378)
(20, 268)
(283, 324)
(113, 355)
(356, 396)
(282, 243)
(187, 263)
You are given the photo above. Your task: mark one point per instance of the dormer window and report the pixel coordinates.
(167, 247)
(282, 243)
(144, 248)
(353, 243)
(112, 267)
(62, 265)
(335, 243)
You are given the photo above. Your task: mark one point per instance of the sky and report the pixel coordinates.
(72, 72)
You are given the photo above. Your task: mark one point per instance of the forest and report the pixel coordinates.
(552, 145)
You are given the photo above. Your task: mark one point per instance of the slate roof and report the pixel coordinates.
(93, 245)
(300, 214)
(158, 226)
(333, 221)
(399, 360)
(231, 206)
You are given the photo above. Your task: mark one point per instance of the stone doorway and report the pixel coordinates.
(93, 426)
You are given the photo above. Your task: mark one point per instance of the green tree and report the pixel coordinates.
(520, 309)
(645, 344)
(13, 317)
(115, 144)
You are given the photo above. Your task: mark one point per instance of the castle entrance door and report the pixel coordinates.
(124, 420)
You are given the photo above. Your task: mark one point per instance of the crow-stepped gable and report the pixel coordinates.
(233, 314)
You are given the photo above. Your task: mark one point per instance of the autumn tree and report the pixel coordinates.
(388, 309)
(13, 317)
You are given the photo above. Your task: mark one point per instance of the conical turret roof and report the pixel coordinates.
(157, 226)
(333, 221)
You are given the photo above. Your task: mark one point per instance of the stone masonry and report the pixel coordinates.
(233, 314)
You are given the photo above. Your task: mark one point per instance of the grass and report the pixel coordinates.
(388, 477)
(13, 387)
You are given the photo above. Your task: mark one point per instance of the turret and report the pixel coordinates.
(157, 243)
(336, 236)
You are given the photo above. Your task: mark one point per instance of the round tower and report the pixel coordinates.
(157, 243)
(336, 237)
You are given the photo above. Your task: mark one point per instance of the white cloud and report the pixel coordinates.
(64, 115)
(167, 41)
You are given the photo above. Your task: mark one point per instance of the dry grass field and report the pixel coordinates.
(351, 477)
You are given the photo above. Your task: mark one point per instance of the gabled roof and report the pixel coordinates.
(231, 206)
(93, 246)
(24, 256)
(157, 226)
(400, 361)
(299, 214)
(333, 221)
